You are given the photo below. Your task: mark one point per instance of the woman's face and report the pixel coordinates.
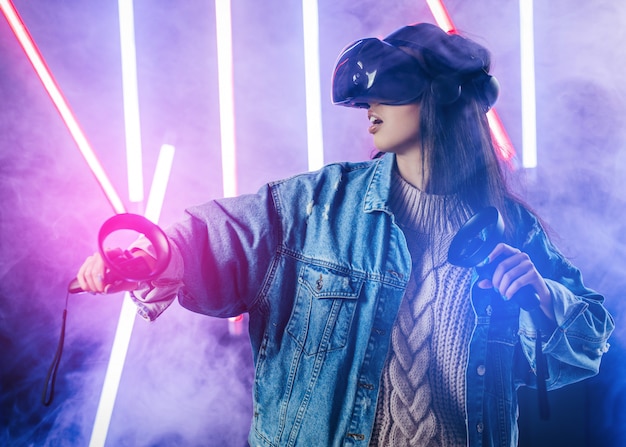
(395, 128)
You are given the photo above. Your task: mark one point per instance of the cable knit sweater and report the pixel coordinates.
(422, 390)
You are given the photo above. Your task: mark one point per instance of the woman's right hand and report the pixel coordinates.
(94, 277)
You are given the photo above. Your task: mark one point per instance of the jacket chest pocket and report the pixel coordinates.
(323, 309)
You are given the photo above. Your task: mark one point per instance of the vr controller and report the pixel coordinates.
(123, 265)
(473, 243)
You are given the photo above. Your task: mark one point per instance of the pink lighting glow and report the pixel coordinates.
(36, 59)
(440, 13)
(128, 312)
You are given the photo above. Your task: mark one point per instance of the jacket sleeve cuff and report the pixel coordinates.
(567, 308)
(576, 345)
(153, 297)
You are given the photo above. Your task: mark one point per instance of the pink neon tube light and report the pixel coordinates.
(498, 132)
(35, 58)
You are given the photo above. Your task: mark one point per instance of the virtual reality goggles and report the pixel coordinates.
(371, 70)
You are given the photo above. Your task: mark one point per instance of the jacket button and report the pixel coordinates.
(396, 274)
(319, 284)
(480, 370)
(480, 427)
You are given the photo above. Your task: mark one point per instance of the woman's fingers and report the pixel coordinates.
(91, 274)
(514, 271)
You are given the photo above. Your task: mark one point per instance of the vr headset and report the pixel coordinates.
(398, 69)
(371, 70)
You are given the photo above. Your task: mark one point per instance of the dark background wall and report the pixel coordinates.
(187, 378)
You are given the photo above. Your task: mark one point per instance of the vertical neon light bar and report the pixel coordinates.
(35, 58)
(527, 51)
(498, 133)
(224, 38)
(134, 164)
(223, 22)
(126, 320)
(315, 141)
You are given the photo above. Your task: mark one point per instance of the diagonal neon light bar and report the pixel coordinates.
(498, 132)
(51, 86)
(128, 313)
(441, 15)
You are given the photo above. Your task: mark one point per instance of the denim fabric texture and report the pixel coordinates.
(321, 267)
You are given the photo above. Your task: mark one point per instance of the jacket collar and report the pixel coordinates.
(377, 195)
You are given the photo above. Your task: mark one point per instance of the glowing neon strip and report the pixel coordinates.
(226, 88)
(42, 70)
(223, 22)
(527, 51)
(224, 38)
(498, 132)
(159, 183)
(440, 13)
(128, 312)
(134, 161)
(108, 395)
(312, 84)
(127, 317)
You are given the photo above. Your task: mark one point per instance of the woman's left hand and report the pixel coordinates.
(514, 271)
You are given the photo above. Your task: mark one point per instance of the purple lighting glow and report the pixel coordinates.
(187, 379)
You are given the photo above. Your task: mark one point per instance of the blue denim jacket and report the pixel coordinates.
(321, 267)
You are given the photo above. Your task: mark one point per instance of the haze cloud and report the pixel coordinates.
(187, 380)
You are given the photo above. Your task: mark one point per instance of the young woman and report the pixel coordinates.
(362, 332)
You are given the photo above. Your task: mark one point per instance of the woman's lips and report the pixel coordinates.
(376, 123)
